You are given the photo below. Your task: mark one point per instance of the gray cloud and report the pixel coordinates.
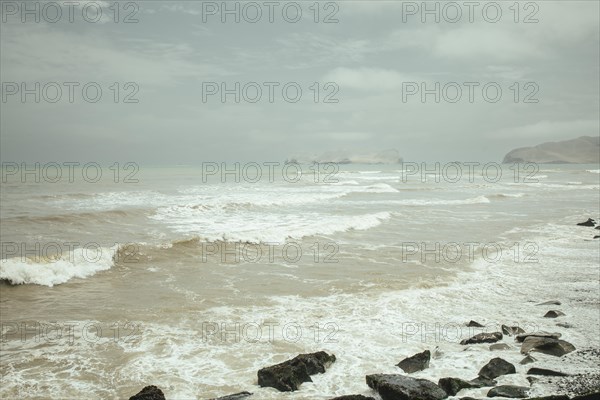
(370, 54)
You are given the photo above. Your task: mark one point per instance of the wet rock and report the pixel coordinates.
(598, 227)
(480, 382)
(499, 346)
(589, 222)
(521, 338)
(550, 303)
(510, 391)
(454, 385)
(557, 397)
(235, 396)
(532, 379)
(564, 325)
(401, 387)
(554, 314)
(497, 367)
(512, 330)
(289, 375)
(149, 393)
(545, 372)
(590, 396)
(415, 363)
(527, 360)
(474, 324)
(353, 397)
(492, 337)
(597, 237)
(546, 345)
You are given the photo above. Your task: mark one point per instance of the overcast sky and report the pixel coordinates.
(375, 54)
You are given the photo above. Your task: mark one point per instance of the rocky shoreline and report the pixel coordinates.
(556, 378)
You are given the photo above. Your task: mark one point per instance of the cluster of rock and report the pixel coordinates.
(288, 376)
(591, 223)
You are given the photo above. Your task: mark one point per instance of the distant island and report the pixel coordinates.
(583, 150)
(390, 156)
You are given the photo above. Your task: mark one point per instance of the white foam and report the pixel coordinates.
(266, 228)
(78, 263)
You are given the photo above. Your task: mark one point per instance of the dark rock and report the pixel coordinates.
(564, 325)
(510, 391)
(590, 396)
(597, 237)
(512, 330)
(454, 385)
(557, 397)
(532, 379)
(289, 375)
(483, 338)
(418, 362)
(521, 338)
(550, 303)
(474, 324)
(527, 360)
(480, 382)
(546, 345)
(499, 346)
(598, 227)
(149, 393)
(353, 397)
(589, 222)
(401, 387)
(545, 372)
(236, 396)
(497, 367)
(554, 314)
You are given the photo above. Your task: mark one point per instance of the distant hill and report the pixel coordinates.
(583, 150)
(390, 156)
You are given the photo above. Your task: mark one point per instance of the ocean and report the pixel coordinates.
(192, 278)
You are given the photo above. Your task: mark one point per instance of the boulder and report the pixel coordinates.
(353, 397)
(415, 363)
(497, 367)
(521, 338)
(527, 360)
(546, 345)
(554, 314)
(149, 393)
(532, 379)
(510, 391)
(454, 385)
(480, 382)
(590, 396)
(550, 303)
(545, 372)
(512, 330)
(597, 237)
(474, 324)
(402, 387)
(564, 325)
(589, 222)
(289, 375)
(499, 346)
(235, 396)
(492, 337)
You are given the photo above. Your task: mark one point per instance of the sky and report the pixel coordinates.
(354, 76)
